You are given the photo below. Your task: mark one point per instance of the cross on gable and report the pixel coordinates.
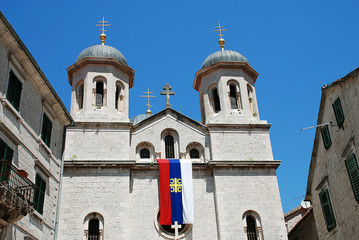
(167, 92)
(176, 226)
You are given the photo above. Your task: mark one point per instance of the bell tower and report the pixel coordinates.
(100, 80)
(226, 87)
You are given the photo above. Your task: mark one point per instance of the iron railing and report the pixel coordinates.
(10, 178)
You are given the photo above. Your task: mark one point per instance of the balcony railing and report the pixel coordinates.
(16, 186)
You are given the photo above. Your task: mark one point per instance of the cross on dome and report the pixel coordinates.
(103, 35)
(221, 40)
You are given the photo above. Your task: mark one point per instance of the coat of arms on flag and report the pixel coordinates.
(176, 194)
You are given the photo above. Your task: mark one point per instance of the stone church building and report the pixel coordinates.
(92, 174)
(110, 187)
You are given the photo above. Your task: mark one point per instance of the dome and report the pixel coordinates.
(139, 118)
(224, 56)
(102, 51)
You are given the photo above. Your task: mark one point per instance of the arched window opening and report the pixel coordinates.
(217, 105)
(169, 146)
(94, 229)
(99, 93)
(251, 99)
(251, 228)
(117, 96)
(81, 96)
(194, 153)
(145, 153)
(233, 96)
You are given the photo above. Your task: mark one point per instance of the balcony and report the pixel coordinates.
(16, 193)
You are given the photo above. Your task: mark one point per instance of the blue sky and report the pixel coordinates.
(295, 46)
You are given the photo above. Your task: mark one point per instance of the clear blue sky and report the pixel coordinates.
(295, 47)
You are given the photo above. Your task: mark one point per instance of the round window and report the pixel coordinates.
(168, 232)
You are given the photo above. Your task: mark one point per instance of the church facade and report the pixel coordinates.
(110, 182)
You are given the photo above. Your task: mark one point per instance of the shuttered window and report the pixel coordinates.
(251, 228)
(6, 153)
(14, 91)
(194, 153)
(46, 130)
(145, 153)
(327, 209)
(326, 136)
(353, 172)
(169, 147)
(338, 111)
(217, 105)
(39, 195)
(99, 93)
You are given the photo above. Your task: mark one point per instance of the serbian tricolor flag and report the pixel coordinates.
(176, 194)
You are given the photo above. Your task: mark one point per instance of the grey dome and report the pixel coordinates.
(224, 56)
(102, 51)
(139, 118)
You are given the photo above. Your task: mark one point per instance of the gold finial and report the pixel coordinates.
(221, 40)
(148, 112)
(103, 35)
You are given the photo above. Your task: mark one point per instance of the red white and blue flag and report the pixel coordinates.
(176, 194)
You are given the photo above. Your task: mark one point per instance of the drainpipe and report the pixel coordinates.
(60, 185)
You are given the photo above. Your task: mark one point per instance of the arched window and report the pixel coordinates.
(233, 96)
(93, 226)
(145, 153)
(194, 153)
(99, 93)
(251, 99)
(81, 96)
(94, 229)
(217, 105)
(251, 228)
(117, 96)
(169, 146)
(252, 225)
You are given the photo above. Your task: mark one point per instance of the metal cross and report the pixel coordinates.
(176, 227)
(219, 29)
(103, 25)
(148, 99)
(167, 92)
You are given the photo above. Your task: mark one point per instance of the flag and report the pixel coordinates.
(176, 194)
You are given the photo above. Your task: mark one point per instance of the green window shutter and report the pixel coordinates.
(6, 153)
(14, 90)
(326, 136)
(46, 130)
(353, 172)
(39, 195)
(338, 111)
(327, 209)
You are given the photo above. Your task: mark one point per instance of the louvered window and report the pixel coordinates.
(233, 96)
(46, 130)
(251, 228)
(6, 155)
(145, 153)
(353, 172)
(327, 141)
(39, 195)
(94, 229)
(14, 91)
(327, 209)
(217, 105)
(99, 93)
(338, 111)
(169, 147)
(194, 153)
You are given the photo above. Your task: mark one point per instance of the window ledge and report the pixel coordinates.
(38, 216)
(6, 103)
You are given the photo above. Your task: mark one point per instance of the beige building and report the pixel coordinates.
(333, 182)
(110, 182)
(32, 123)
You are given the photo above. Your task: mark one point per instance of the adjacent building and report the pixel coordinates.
(32, 131)
(333, 181)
